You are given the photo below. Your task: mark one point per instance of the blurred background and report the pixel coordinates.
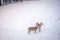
(17, 15)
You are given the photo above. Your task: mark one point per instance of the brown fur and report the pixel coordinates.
(35, 28)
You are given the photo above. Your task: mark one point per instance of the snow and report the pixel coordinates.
(17, 17)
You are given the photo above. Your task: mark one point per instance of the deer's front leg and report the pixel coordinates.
(39, 29)
(35, 31)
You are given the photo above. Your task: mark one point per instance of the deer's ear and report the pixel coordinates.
(42, 23)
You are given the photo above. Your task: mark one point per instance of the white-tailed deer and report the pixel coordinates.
(35, 28)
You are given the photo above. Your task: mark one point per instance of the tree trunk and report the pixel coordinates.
(0, 2)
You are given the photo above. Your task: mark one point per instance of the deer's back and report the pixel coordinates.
(32, 28)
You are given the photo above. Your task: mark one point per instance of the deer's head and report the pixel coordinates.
(41, 23)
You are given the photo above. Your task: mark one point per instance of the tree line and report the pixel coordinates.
(10, 1)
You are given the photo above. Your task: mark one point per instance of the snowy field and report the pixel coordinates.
(17, 17)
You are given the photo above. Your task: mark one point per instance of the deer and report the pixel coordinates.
(35, 28)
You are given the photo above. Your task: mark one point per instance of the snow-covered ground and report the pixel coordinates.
(17, 17)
